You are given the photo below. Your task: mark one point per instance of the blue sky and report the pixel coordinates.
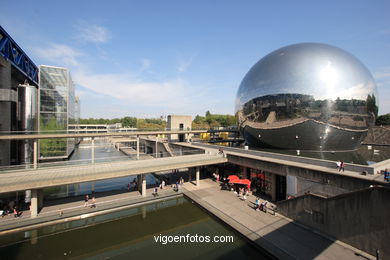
(151, 58)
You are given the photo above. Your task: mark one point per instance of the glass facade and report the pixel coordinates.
(58, 108)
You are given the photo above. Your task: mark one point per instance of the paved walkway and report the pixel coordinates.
(18, 180)
(276, 234)
(69, 209)
(308, 163)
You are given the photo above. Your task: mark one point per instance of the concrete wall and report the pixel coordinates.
(6, 110)
(174, 122)
(359, 218)
(299, 159)
(182, 150)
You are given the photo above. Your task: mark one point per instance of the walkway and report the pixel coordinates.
(69, 209)
(276, 234)
(295, 161)
(17, 180)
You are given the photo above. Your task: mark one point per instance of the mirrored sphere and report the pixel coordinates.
(307, 96)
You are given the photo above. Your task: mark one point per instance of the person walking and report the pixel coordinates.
(257, 203)
(155, 192)
(86, 200)
(93, 202)
(341, 166)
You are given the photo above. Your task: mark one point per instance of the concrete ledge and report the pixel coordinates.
(41, 221)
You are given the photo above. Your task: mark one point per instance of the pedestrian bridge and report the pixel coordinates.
(18, 180)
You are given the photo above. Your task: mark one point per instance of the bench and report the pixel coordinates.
(271, 209)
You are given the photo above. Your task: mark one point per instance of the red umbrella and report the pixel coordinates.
(233, 178)
(242, 181)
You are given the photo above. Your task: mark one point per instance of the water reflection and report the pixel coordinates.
(130, 235)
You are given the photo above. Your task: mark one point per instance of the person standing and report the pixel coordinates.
(341, 166)
(338, 164)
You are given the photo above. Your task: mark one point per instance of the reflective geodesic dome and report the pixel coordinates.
(307, 96)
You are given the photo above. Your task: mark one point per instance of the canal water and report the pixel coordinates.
(130, 234)
(104, 152)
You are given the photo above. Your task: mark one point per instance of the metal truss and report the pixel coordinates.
(11, 51)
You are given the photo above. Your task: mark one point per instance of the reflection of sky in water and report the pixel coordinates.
(323, 71)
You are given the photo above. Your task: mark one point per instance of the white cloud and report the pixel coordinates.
(145, 64)
(58, 54)
(92, 33)
(135, 91)
(184, 64)
(129, 90)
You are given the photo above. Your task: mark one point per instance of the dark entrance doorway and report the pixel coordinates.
(280, 187)
(181, 136)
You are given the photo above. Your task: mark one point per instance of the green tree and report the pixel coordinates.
(129, 121)
(383, 119)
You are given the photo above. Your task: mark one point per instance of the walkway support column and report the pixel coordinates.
(156, 146)
(137, 147)
(93, 150)
(143, 186)
(197, 176)
(34, 203)
(35, 153)
(141, 182)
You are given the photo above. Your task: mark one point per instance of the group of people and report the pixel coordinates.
(10, 207)
(261, 206)
(87, 203)
(340, 166)
(132, 185)
(242, 192)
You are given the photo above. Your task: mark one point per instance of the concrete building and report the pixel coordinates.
(59, 107)
(176, 122)
(18, 85)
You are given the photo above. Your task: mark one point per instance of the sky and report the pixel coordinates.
(155, 58)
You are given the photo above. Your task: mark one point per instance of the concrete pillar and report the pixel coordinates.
(40, 199)
(137, 147)
(273, 191)
(35, 153)
(141, 182)
(197, 176)
(93, 150)
(156, 146)
(143, 186)
(34, 203)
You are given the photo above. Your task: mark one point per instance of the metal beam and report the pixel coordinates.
(81, 135)
(11, 51)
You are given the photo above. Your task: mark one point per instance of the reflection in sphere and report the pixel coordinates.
(307, 96)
